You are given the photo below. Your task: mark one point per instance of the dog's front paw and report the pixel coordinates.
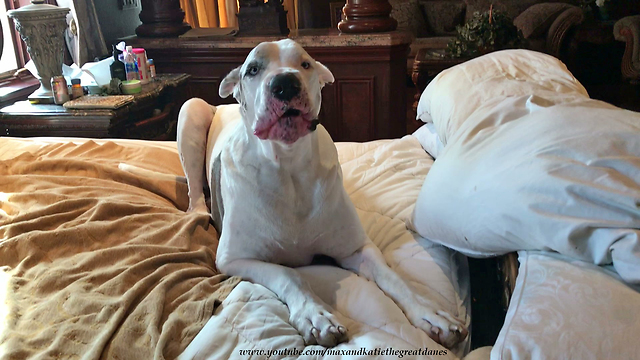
(198, 206)
(198, 209)
(439, 325)
(317, 325)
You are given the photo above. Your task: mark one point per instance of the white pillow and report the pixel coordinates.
(568, 309)
(428, 138)
(525, 176)
(459, 91)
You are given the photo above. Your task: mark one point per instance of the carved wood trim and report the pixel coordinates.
(206, 79)
(628, 70)
(335, 55)
(363, 16)
(161, 18)
(369, 81)
(627, 30)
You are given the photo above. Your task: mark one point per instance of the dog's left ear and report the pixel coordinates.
(229, 83)
(324, 74)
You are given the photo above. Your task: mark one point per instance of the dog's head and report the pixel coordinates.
(279, 90)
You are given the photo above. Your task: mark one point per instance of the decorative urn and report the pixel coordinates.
(41, 27)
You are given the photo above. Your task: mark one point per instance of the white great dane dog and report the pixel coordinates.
(278, 196)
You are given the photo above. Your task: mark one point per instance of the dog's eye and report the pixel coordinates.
(254, 70)
(306, 65)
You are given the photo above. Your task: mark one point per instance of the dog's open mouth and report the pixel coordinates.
(288, 127)
(291, 112)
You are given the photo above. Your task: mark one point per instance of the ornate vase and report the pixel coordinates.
(41, 27)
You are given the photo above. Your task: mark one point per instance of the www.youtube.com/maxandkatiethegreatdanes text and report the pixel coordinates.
(399, 353)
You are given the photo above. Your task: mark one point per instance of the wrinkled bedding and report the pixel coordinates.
(566, 308)
(97, 262)
(383, 179)
(531, 164)
(101, 263)
(538, 166)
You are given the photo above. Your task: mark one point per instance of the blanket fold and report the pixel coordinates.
(97, 262)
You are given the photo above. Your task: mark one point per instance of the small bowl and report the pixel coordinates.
(94, 90)
(131, 87)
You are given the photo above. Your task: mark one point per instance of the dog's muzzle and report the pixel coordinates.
(285, 87)
(288, 114)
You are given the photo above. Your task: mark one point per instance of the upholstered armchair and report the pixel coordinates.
(546, 26)
(628, 30)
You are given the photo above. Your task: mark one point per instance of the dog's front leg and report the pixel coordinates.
(307, 312)
(369, 262)
(194, 121)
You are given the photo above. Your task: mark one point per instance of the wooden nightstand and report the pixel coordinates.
(151, 116)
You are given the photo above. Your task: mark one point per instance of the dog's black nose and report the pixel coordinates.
(285, 86)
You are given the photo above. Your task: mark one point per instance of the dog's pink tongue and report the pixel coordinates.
(289, 129)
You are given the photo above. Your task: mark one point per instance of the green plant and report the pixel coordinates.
(483, 33)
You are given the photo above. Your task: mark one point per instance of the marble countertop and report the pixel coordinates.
(307, 37)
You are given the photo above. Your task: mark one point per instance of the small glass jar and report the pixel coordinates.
(152, 68)
(76, 89)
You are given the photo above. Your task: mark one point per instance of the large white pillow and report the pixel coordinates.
(429, 139)
(568, 309)
(529, 175)
(457, 92)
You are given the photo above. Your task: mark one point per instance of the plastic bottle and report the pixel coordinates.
(141, 61)
(130, 65)
(117, 67)
(60, 90)
(152, 68)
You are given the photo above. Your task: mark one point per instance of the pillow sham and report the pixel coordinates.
(530, 175)
(428, 138)
(456, 93)
(566, 308)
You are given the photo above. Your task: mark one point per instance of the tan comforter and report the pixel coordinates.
(97, 262)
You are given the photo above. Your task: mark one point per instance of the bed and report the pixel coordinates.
(101, 263)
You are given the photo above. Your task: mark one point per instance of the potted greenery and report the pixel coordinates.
(484, 33)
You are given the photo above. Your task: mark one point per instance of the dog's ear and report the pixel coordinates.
(229, 83)
(324, 74)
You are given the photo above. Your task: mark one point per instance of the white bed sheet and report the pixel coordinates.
(564, 308)
(383, 179)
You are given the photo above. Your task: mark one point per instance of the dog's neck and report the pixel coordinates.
(298, 154)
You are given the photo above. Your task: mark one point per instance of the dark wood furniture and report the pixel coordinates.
(366, 102)
(596, 59)
(363, 16)
(162, 18)
(627, 30)
(151, 116)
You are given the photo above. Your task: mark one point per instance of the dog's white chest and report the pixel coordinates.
(274, 213)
